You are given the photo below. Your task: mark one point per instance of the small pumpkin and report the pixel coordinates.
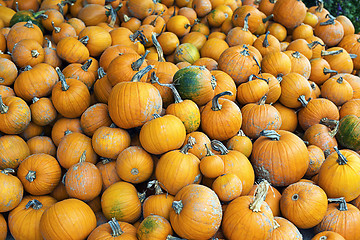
(11, 192)
(154, 227)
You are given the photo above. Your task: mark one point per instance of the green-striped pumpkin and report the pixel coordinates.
(348, 134)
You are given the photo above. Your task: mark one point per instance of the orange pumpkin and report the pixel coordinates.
(154, 227)
(114, 229)
(11, 192)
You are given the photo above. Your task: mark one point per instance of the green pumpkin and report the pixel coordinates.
(348, 134)
(28, 15)
(195, 83)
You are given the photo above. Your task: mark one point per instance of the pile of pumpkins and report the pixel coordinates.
(179, 119)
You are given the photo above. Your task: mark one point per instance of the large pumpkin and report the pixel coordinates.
(11, 190)
(348, 133)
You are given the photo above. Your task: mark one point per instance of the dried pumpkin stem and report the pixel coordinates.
(84, 40)
(219, 146)
(126, 19)
(341, 158)
(137, 64)
(29, 24)
(331, 21)
(313, 44)
(169, 237)
(34, 53)
(276, 224)
(177, 206)
(327, 71)
(341, 201)
(213, 82)
(320, 5)
(56, 29)
(327, 53)
(265, 43)
(64, 85)
(272, 134)
(156, 185)
(86, 65)
(3, 107)
(268, 18)
(215, 101)
(245, 52)
(185, 148)
(155, 115)
(303, 101)
(262, 100)
(113, 17)
(191, 140)
(67, 132)
(208, 151)
(35, 99)
(63, 179)
(134, 36)
(260, 194)
(2, 79)
(155, 79)
(142, 196)
(246, 23)
(296, 54)
(352, 55)
(101, 72)
(323, 238)
(158, 48)
(105, 160)
(115, 228)
(35, 204)
(141, 73)
(7, 171)
(83, 157)
(30, 176)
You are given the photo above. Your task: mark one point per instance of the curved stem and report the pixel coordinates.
(327, 71)
(137, 64)
(272, 134)
(105, 160)
(34, 53)
(245, 52)
(262, 100)
(35, 99)
(276, 224)
(101, 72)
(35, 204)
(265, 43)
(126, 19)
(186, 148)
(84, 40)
(341, 158)
(303, 101)
(246, 23)
(219, 146)
(215, 101)
(341, 201)
(141, 73)
(86, 65)
(313, 44)
(158, 48)
(352, 55)
(6, 171)
(3, 108)
(134, 36)
(156, 185)
(296, 54)
(327, 53)
(331, 21)
(83, 157)
(56, 29)
(334, 124)
(340, 80)
(115, 228)
(177, 206)
(30, 176)
(320, 5)
(29, 24)
(268, 18)
(260, 194)
(64, 85)
(208, 151)
(113, 17)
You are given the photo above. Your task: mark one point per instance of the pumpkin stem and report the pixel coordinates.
(137, 64)
(245, 52)
(331, 21)
(64, 85)
(186, 147)
(26, 68)
(208, 151)
(169, 237)
(101, 72)
(272, 134)
(2, 79)
(268, 18)
(105, 160)
(215, 101)
(141, 73)
(134, 171)
(326, 71)
(34, 53)
(327, 53)
(246, 22)
(84, 40)
(63, 179)
(156, 185)
(276, 224)
(113, 16)
(155, 79)
(115, 228)
(340, 80)
(296, 54)
(306, 143)
(241, 133)
(83, 157)
(313, 44)
(341, 158)
(331, 124)
(30, 176)
(219, 146)
(29, 24)
(265, 43)
(56, 29)
(153, 22)
(35, 204)
(323, 238)
(126, 19)
(35, 99)
(260, 194)
(17, 6)
(320, 5)
(86, 65)
(134, 36)
(326, 153)
(213, 82)
(6, 171)
(352, 55)
(262, 100)
(177, 206)
(67, 132)
(191, 140)
(303, 101)
(155, 115)
(158, 48)
(142, 196)
(3, 107)
(341, 201)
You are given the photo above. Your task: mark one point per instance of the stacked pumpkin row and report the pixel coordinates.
(92, 115)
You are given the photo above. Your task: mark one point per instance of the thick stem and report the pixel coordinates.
(340, 80)
(215, 101)
(241, 133)
(35, 99)
(296, 54)
(134, 36)
(64, 85)
(246, 22)
(141, 73)
(26, 68)
(137, 64)
(158, 48)
(115, 228)
(155, 115)
(177, 206)
(303, 101)
(272, 134)
(245, 52)
(67, 132)
(260, 194)
(331, 21)
(332, 124)
(327, 53)
(113, 17)
(341, 201)
(268, 18)
(126, 19)
(134, 171)
(219, 146)
(156, 185)
(34, 53)
(191, 140)
(186, 148)
(83, 157)
(3, 108)
(265, 43)
(56, 29)
(320, 5)
(142, 196)
(101, 72)
(323, 238)
(35, 204)
(352, 55)
(86, 65)
(341, 158)
(313, 44)
(295, 197)
(2, 80)
(262, 100)
(105, 160)
(208, 151)
(6, 171)
(29, 24)
(84, 40)
(155, 79)
(327, 71)
(30, 176)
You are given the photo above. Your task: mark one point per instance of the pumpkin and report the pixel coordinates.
(329, 30)
(3, 227)
(41, 144)
(121, 201)
(98, 39)
(240, 35)
(94, 117)
(69, 217)
(319, 10)
(108, 172)
(241, 143)
(8, 72)
(299, 63)
(39, 174)
(24, 220)
(302, 31)
(62, 30)
(347, 132)
(226, 112)
(284, 229)
(308, 197)
(271, 157)
(290, 94)
(338, 174)
(323, 134)
(317, 157)
(13, 150)
(351, 44)
(339, 59)
(140, 9)
(211, 166)
(339, 213)
(248, 217)
(72, 50)
(272, 198)
(154, 227)
(253, 90)
(59, 192)
(11, 192)
(27, 52)
(61, 126)
(320, 70)
(351, 107)
(81, 72)
(23, 30)
(289, 117)
(113, 229)
(134, 165)
(43, 111)
(328, 235)
(276, 63)
(198, 149)
(289, 13)
(186, 206)
(227, 187)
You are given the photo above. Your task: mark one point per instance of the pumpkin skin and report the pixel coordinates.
(290, 94)
(308, 197)
(347, 132)
(269, 156)
(43, 111)
(60, 126)
(187, 204)
(317, 157)
(227, 187)
(3, 227)
(162, 134)
(351, 107)
(11, 190)
(289, 13)
(321, 136)
(289, 117)
(284, 229)
(41, 144)
(198, 148)
(108, 172)
(94, 117)
(13, 150)
(328, 235)
(70, 217)
(338, 174)
(39, 174)
(72, 50)
(121, 201)
(24, 220)
(105, 231)
(154, 227)
(8, 72)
